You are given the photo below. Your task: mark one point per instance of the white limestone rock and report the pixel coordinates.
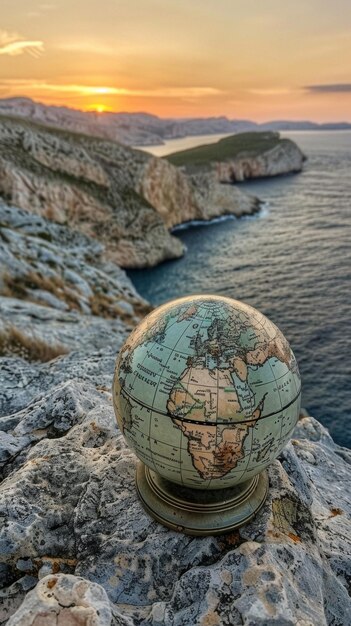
(69, 505)
(69, 328)
(64, 600)
(21, 382)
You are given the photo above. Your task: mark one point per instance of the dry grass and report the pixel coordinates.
(13, 342)
(101, 304)
(22, 287)
(104, 305)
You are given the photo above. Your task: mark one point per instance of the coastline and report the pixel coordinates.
(258, 211)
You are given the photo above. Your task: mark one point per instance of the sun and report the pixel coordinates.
(98, 108)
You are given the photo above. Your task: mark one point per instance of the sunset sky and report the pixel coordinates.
(256, 59)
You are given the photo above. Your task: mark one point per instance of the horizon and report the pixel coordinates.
(144, 112)
(240, 60)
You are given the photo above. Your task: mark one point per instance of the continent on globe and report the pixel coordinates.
(215, 450)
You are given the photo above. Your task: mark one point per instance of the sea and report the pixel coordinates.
(292, 261)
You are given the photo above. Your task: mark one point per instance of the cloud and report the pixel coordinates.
(92, 90)
(333, 88)
(13, 44)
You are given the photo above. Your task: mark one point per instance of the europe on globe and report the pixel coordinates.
(206, 392)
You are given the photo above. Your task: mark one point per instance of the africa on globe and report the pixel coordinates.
(206, 392)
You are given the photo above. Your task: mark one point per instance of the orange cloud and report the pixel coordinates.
(92, 90)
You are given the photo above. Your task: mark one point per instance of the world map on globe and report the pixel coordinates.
(207, 391)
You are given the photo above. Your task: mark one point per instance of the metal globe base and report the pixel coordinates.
(200, 512)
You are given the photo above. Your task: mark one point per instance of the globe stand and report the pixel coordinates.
(198, 511)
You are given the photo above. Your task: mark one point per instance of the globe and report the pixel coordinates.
(206, 392)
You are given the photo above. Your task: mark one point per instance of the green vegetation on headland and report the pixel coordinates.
(251, 144)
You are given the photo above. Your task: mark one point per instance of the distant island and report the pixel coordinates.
(145, 129)
(242, 156)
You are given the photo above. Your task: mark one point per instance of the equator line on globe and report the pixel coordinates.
(206, 392)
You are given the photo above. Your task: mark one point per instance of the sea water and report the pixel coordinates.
(292, 261)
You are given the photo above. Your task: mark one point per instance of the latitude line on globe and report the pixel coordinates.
(193, 318)
(168, 379)
(124, 392)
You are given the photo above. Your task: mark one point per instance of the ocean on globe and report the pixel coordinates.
(206, 391)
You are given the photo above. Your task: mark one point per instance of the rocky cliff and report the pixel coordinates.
(284, 158)
(125, 199)
(179, 198)
(242, 156)
(76, 547)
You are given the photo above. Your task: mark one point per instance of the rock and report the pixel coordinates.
(64, 600)
(68, 502)
(69, 505)
(57, 292)
(179, 198)
(40, 256)
(53, 326)
(285, 158)
(216, 199)
(21, 381)
(169, 191)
